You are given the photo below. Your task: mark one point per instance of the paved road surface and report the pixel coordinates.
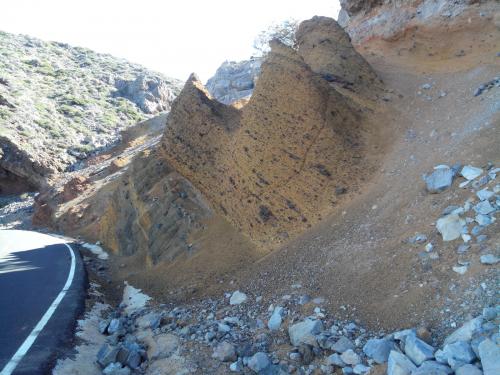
(42, 290)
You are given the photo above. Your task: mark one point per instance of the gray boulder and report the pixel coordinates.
(378, 349)
(234, 80)
(432, 368)
(489, 353)
(342, 344)
(350, 357)
(151, 94)
(439, 180)
(399, 364)
(107, 355)
(258, 362)
(417, 350)
(275, 320)
(468, 370)
(458, 354)
(465, 332)
(305, 332)
(225, 352)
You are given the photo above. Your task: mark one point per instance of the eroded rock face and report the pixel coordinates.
(387, 19)
(234, 80)
(326, 48)
(272, 167)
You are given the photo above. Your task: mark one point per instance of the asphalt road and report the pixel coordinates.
(42, 291)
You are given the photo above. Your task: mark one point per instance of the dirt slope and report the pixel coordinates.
(359, 257)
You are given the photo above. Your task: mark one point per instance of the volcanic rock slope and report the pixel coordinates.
(317, 180)
(60, 103)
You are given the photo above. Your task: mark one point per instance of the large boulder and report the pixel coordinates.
(151, 94)
(234, 80)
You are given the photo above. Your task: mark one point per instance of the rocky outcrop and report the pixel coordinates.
(234, 80)
(150, 94)
(387, 19)
(57, 104)
(272, 168)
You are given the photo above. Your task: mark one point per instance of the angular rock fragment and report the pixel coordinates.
(450, 226)
(305, 332)
(439, 180)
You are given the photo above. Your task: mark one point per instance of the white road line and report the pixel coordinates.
(26, 345)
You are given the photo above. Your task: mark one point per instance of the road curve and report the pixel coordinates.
(42, 292)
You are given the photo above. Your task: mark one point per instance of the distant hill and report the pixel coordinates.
(59, 103)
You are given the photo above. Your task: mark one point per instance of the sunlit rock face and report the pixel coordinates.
(272, 167)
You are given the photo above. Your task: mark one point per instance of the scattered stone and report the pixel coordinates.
(465, 332)
(378, 349)
(484, 194)
(483, 220)
(458, 354)
(489, 259)
(114, 326)
(470, 172)
(489, 353)
(361, 369)
(335, 360)
(237, 298)
(484, 208)
(103, 326)
(419, 238)
(468, 369)
(236, 367)
(225, 352)
(432, 368)
(489, 313)
(305, 332)
(106, 355)
(450, 227)
(399, 364)
(275, 320)
(259, 362)
(462, 270)
(451, 210)
(304, 299)
(350, 357)
(116, 369)
(418, 350)
(439, 180)
(342, 344)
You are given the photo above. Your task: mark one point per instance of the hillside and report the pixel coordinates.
(60, 103)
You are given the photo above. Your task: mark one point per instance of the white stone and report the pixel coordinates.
(450, 227)
(470, 172)
(275, 320)
(237, 298)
